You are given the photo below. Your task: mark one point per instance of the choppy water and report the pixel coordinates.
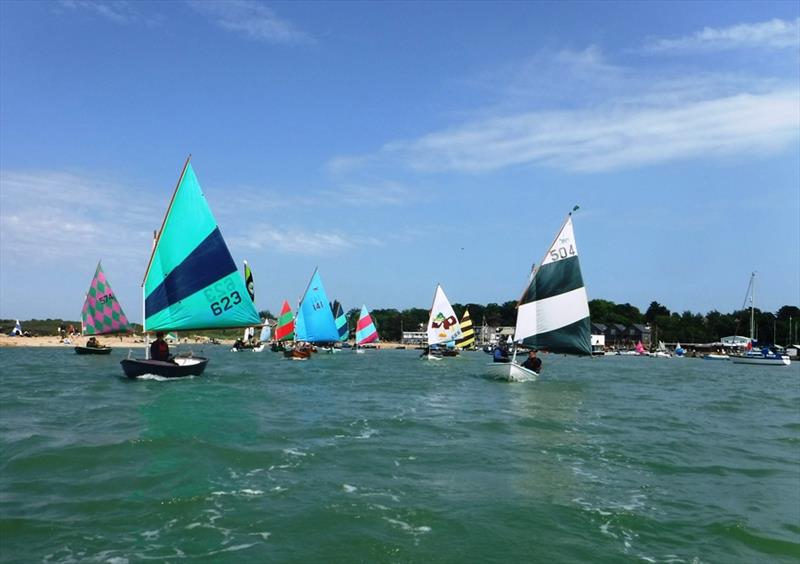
(385, 458)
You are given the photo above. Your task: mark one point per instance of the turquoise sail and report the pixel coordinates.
(314, 322)
(341, 321)
(192, 281)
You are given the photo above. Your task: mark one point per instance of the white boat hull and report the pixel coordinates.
(510, 371)
(782, 360)
(716, 357)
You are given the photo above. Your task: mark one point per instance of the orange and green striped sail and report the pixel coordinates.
(285, 328)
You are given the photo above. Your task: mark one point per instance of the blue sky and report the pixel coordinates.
(397, 145)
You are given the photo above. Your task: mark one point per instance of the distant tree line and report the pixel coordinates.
(664, 325)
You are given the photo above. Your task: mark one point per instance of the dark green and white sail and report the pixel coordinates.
(192, 281)
(553, 313)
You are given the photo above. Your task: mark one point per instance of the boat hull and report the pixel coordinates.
(782, 360)
(510, 371)
(92, 350)
(135, 367)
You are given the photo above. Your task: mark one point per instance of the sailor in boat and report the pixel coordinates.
(93, 343)
(501, 354)
(533, 362)
(159, 349)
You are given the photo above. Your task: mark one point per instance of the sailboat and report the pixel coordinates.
(443, 324)
(340, 318)
(365, 330)
(191, 281)
(763, 356)
(553, 312)
(247, 342)
(679, 350)
(467, 340)
(101, 314)
(314, 323)
(661, 351)
(284, 330)
(263, 337)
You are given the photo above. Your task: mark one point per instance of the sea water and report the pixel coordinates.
(383, 457)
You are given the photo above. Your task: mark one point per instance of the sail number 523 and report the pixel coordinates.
(226, 302)
(562, 253)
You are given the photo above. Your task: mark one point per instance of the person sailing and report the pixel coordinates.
(159, 349)
(533, 362)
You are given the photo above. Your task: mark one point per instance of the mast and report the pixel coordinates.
(752, 306)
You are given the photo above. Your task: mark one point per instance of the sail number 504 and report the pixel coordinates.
(226, 302)
(562, 253)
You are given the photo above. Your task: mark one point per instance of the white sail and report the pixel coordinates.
(443, 324)
(554, 310)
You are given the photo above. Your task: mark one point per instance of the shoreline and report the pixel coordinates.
(126, 341)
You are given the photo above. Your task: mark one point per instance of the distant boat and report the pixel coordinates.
(679, 350)
(101, 314)
(17, 330)
(763, 356)
(248, 342)
(443, 324)
(661, 351)
(553, 312)
(284, 330)
(191, 281)
(365, 330)
(314, 323)
(340, 318)
(467, 340)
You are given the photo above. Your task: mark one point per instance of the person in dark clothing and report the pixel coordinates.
(159, 349)
(533, 362)
(501, 354)
(92, 343)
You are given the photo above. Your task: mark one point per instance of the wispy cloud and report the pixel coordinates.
(53, 216)
(608, 117)
(297, 240)
(609, 138)
(251, 19)
(772, 34)
(119, 11)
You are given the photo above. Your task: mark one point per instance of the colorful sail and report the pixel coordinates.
(341, 320)
(467, 339)
(192, 281)
(442, 324)
(284, 331)
(314, 322)
(365, 328)
(553, 313)
(101, 313)
(248, 280)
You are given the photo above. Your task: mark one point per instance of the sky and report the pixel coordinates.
(398, 145)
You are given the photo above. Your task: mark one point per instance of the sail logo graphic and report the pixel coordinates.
(441, 321)
(316, 305)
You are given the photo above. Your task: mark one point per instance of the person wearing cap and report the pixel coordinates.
(159, 349)
(533, 362)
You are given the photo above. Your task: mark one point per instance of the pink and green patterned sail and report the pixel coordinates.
(101, 312)
(365, 328)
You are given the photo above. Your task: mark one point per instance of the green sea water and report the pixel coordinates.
(383, 457)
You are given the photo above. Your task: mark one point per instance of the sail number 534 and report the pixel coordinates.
(562, 253)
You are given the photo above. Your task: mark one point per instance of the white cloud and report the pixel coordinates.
(54, 216)
(119, 11)
(251, 19)
(772, 34)
(296, 240)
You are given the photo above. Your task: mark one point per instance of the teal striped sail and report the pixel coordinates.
(553, 313)
(192, 281)
(341, 321)
(314, 322)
